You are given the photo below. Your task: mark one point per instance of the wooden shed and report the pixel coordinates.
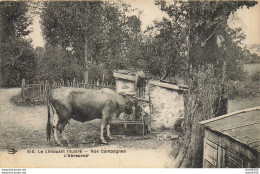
(233, 140)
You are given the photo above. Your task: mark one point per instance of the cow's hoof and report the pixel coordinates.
(59, 144)
(69, 145)
(103, 142)
(111, 138)
(67, 142)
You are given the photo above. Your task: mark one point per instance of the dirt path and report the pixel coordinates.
(21, 127)
(24, 128)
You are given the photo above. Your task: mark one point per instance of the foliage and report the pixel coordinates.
(97, 72)
(55, 64)
(166, 55)
(244, 89)
(234, 54)
(68, 26)
(198, 24)
(256, 76)
(98, 32)
(14, 20)
(209, 44)
(18, 62)
(16, 53)
(251, 57)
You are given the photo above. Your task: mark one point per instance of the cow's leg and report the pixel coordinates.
(108, 132)
(62, 132)
(109, 120)
(56, 138)
(64, 137)
(104, 121)
(54, 125)
(103, 124)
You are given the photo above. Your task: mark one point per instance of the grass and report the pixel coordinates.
(244, 89)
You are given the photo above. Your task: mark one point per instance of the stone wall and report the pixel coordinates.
(166, 99)
(168, 106)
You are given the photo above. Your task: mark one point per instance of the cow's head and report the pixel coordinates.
(130, 105)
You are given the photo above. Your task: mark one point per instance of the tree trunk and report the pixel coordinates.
(85, 75)
(206, 99)
(86, 53)
(86, 72)
(199, 105)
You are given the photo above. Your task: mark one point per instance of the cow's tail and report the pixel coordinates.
(48, 127)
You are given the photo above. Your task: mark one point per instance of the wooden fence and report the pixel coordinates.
(37, 92)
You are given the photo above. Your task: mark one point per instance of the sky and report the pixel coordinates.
(247, 19)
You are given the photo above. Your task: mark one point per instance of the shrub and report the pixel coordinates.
(256, 76)
(55, 64)
(244, 89)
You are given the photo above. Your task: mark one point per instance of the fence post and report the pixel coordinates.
(74, 82)
(103, 79)
(97, 84)
(40, 88)
(33, 96)
(42, 95)
(46, 90)
(23, 87)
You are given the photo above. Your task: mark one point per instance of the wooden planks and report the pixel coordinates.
(128, 128)
(223, 151)
(242, 126)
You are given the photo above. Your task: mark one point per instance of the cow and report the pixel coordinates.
(84, 105)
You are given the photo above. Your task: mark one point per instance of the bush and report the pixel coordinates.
(244, 89)
(96, 73)
(17, 62)
(55, 64)
(256, 76)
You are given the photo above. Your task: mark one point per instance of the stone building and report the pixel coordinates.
(167, 103)
(166, 100)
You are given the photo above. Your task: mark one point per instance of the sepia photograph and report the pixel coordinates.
(129, 84)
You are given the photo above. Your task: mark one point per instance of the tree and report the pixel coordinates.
(206, 26)
(16, 53)
(234, 54)
(56, 64)
(167, 48)
(98, 32)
